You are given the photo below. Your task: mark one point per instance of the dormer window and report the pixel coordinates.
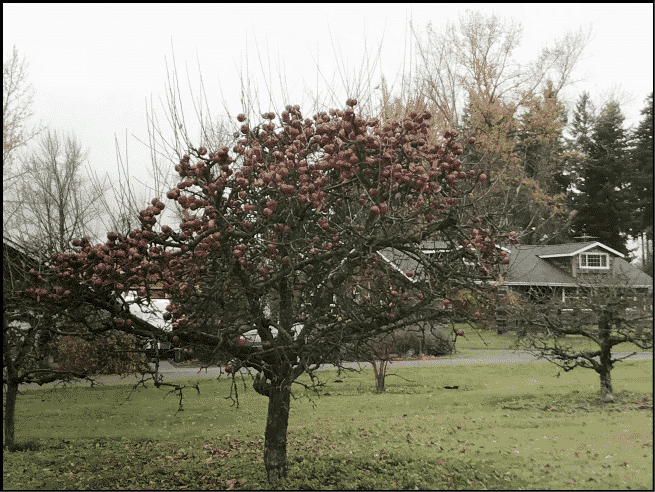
(594, 260)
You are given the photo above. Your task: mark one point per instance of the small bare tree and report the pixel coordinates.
(380, 353)
(17, 101)
(606, 314)
(56, 201)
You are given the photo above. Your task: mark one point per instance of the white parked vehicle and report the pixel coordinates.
(253, 337)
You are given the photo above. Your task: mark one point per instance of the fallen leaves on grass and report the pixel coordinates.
(645, 403)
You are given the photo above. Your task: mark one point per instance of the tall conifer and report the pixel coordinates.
(600, 201)
(641, 186)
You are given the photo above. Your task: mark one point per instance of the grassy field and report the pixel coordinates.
(507, 426)
(489, 340)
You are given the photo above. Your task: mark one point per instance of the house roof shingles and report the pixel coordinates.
(528, 266)
(531, 264)
(570, 249)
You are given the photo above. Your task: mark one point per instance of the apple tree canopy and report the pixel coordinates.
(279, 230)
(284, 233)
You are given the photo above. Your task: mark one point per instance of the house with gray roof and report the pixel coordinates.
(562, 267)
(563, 270)
(556, 270)
(567, 267)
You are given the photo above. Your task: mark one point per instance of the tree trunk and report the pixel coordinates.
(605, 371)
(10, 408)
(275, 436)
(379, 378)
(606, 387)
(379, 372)
(422, 348)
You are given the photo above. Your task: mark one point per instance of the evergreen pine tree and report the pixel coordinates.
(641, 186)
(601, 201)
(582, 124)
(579, 143)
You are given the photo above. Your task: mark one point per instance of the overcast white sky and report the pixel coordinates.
(94, 66)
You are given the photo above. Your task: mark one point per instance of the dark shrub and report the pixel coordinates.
(413, 342)
(406, 343)
(106, 355)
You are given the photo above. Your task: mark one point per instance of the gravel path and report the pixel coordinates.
(468, 357)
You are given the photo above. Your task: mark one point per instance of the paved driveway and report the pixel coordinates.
(468, 357)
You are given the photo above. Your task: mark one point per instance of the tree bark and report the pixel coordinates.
(606, 394)
(10, 406)
(380, 377)
(379, 370)
(275, 436)
(605, 372)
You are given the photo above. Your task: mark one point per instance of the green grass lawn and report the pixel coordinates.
(508, 426)
(475, 339)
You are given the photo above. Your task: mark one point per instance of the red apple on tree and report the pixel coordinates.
(460, 333)
(241, 341)
(228, 369)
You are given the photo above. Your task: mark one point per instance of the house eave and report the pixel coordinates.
(396, 267)
(541, 284)
(582, 250)
(573, 284)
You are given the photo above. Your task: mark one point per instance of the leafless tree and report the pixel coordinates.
(17, 101)
(56, 201)
(607, 314)
(476, 57)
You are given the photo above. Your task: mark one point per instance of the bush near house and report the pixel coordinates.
(412, 342)
(408, 342)
(107, 355)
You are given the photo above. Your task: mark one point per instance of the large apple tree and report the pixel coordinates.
(275, 233)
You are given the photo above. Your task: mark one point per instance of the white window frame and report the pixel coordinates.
(583, 261)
